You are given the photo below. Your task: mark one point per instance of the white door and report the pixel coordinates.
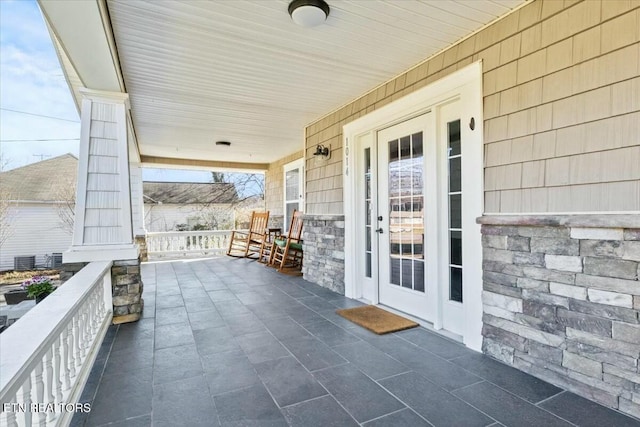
(402, 215)
(419, 225)
(414, 172)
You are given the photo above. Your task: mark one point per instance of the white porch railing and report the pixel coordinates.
(188, 242)
(47, 355)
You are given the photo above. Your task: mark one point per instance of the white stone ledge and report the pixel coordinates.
(630, 220)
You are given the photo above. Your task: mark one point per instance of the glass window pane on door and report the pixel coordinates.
(406, 212)
(367, 211)
(454, 161)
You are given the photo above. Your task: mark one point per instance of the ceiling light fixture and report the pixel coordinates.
(225, 143)
(308, 13)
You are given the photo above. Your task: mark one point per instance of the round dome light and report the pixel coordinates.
(308, 13)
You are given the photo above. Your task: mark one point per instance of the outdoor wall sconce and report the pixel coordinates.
(323, 151)
(308, 13)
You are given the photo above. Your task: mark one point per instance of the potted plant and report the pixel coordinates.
(38, 287)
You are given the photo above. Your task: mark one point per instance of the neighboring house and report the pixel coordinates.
(179, 206)
(522, 240)
(38, 220)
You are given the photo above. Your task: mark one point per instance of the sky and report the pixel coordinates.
(38, 117)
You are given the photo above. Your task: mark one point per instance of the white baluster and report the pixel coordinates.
(26, 399)
(86, 324)
(58, 367)
(70, 359)
(77, 338)
(11, 417)
(49, 378)
(42, 416)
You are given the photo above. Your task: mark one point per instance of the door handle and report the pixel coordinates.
(379, 230)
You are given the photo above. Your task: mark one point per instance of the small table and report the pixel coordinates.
(271, 235)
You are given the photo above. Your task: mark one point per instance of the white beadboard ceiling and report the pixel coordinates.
(242, 71)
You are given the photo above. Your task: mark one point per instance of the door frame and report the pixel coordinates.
(466, 85)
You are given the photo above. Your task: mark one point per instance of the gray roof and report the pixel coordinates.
(55, 180)
(189, 192)
(49, 180)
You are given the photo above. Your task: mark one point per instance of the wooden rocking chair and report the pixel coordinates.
(244, 244)
(286, 251)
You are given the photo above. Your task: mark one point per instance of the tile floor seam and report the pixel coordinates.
(562, 391)
(395, 412)
(395, 375)
(514, 395)
(424, 349)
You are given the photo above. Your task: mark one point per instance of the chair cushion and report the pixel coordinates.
(283, 242)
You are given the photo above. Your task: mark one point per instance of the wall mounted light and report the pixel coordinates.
(323, 151)
(308, 13)
(224, 143)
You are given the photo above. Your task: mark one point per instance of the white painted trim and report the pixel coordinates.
(105, 97)
(138, 222)
(468, 81)
(581, 213)
(472, 247)
(100, 253)
(296, 164)
(83, 172)
(123, 163)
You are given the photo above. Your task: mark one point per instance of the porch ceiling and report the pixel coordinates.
(242, 71)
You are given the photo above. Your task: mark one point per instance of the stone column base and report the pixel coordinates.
(141, 241)
(126, 286)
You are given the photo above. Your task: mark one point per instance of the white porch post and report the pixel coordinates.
(103, 228)
(137, 202)
(137, 209)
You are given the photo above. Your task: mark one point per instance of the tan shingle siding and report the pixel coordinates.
(560, 84)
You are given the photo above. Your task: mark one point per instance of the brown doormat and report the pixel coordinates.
(376, 319)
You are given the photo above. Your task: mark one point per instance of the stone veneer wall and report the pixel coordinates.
(126, 285)
(126, 288)
(562, 300)
(141, 241)
(323, 246)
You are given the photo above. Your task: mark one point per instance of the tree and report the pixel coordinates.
(65, 196)
(6, 216)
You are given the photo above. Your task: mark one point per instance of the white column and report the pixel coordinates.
(137, 201)
(103, 223)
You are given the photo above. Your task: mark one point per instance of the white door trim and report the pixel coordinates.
(467, 85)
(296, 164)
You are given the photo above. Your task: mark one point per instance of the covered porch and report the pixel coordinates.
(226, 341)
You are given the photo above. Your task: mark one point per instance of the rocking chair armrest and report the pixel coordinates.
(234, 232)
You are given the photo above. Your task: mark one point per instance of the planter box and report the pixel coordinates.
(15, 297)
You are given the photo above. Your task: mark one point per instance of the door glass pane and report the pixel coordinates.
(292, 184)
(454, 138)
(455, 211)
(455, 284)
(454, 161)
(406, 212)
(367, 210)
(455, 174)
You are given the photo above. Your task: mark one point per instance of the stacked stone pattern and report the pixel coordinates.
(323, 247)
(126, 284)
(562, 303)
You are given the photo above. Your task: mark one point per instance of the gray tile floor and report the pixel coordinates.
(231, 342)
